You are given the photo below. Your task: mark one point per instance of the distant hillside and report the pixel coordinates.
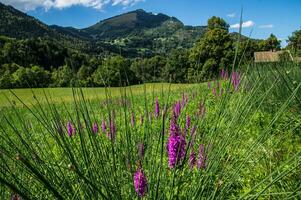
(15, 24)
(134, 34)
(131, 23)
(145, 32)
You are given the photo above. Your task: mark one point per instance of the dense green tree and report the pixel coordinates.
(176, 67)
(30, 77)
(294, 42)
(216, 45)
(115, 71)
(217, 22)
(62, 77)
(149, 69)
(84, 76)
(273, 43)
(6, 80)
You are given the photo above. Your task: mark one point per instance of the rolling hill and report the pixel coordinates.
(138, 32)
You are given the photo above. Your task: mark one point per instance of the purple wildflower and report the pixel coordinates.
(103, 126)
(224, 74)
(176, 145)
(174, 128)
(70, 129)
(177, 109)
(192, 159)
(202, 109)
(184, 100)
(157, 108)
(95, 128)
(112, 132)
(140, 183)
(235, 80)
(202, 158)
(176, 150)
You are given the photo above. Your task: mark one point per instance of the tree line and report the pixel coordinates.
(47, 63)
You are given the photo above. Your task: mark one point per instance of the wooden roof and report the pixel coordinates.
(269, 56)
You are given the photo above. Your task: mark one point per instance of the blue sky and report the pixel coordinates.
(264, 17)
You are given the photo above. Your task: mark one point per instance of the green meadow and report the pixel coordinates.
(237, 137)
(59, 95)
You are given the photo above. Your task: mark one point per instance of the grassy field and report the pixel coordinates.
(59, 95)
(238, 137)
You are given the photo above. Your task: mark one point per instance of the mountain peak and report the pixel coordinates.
(131, 22)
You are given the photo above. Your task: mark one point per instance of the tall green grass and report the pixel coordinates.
(251, 137)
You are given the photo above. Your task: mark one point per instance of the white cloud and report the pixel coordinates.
(266, 26)
(246, 24)
(27, 5)
(231, 15)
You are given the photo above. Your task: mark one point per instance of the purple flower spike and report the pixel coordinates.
(103, 126)
(157, 108)
(176, 145)
(70, 129)
(235, 80)
(202, 109)
(112, 131)
(184, 100)
(95, 128)
(140, 183)
(176, 150)
(222, 73)
(174, 128)
(177, 110)
(202, 157)
(192, 160)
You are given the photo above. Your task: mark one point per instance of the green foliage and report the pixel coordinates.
(285, 57)
(272, 43)
(216, 46)
(149, 69)
(62, 77)
(251, 139)
(115, 71)
(176, 68)
(217, 22)
(30, 77)
(294, 42)
(41, 52)
(134, 47)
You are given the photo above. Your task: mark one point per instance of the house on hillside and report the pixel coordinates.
(272, 56)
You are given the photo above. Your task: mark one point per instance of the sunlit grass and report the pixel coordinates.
(59, 95)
